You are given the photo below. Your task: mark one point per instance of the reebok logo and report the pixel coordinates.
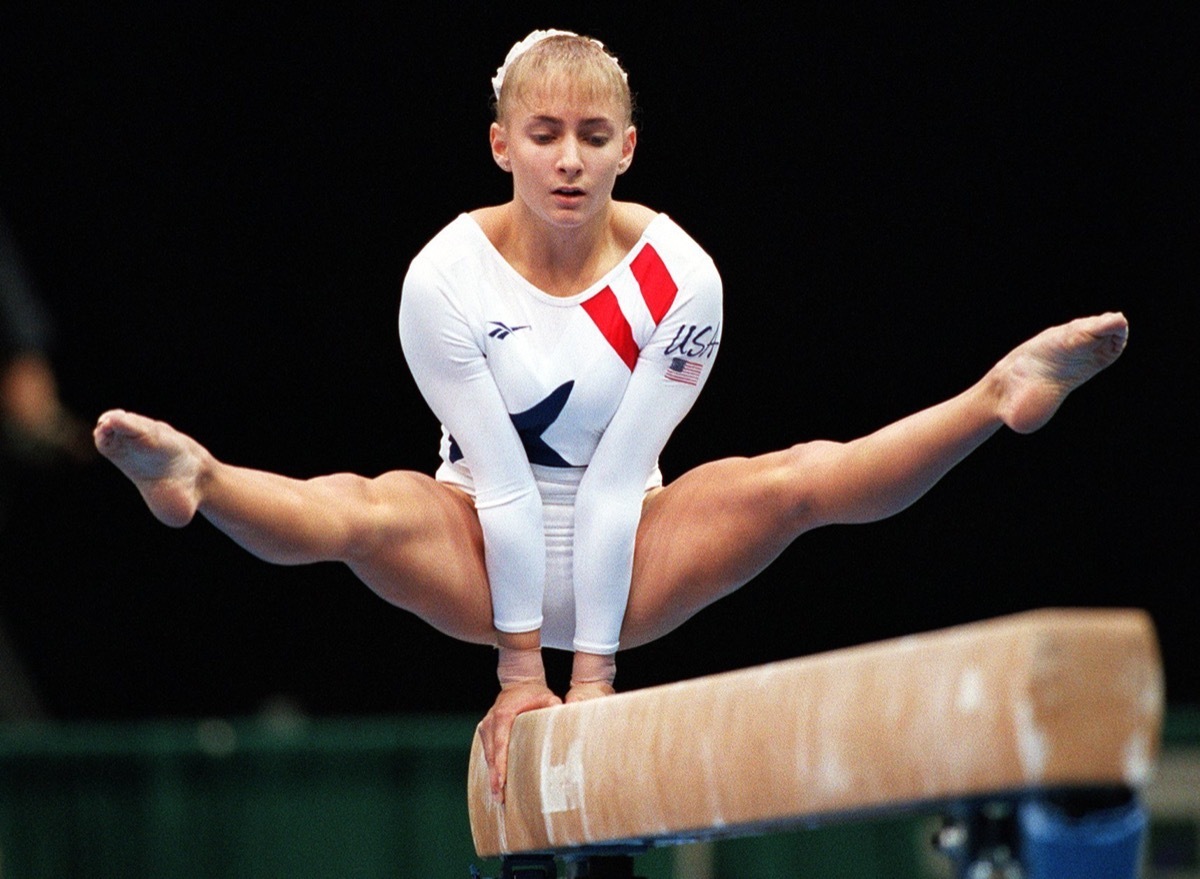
(503, 331)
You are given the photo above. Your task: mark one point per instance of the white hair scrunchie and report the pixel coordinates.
(528, 43)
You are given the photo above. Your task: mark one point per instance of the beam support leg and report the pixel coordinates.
(1094, 833)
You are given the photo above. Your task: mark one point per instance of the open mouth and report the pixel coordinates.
(569, 192)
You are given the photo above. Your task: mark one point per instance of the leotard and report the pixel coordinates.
(550, 403)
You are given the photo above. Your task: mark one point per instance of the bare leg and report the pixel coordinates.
(413, 541)
(753, 508)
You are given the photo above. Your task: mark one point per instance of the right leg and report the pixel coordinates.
(415, 542)
(717, 526)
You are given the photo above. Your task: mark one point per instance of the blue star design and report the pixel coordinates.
(531, 424)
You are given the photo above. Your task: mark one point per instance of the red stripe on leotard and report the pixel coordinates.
(658, 290)
(606, 315)
(658, 287)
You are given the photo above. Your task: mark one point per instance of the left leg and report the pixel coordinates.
(716, 527)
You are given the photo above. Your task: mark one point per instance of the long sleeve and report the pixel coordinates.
(667, 378)
(453, 375)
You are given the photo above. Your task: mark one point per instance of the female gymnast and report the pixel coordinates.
(560, 338)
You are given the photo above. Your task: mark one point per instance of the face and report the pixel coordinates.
(564, 153)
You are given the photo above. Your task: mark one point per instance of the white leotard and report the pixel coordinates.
(545, 400)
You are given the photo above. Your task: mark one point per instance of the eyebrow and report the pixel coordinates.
(590, 121)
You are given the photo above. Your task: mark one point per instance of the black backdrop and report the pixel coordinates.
(218, 207)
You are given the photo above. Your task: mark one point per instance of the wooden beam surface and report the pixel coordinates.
(1048, 698)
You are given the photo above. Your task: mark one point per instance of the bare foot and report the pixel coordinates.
(1036, 376)
(163, 463)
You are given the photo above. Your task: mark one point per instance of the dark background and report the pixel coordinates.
(219, 205)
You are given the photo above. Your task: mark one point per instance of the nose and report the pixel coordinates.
(570, 158)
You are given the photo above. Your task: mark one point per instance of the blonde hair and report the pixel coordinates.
(561, 59)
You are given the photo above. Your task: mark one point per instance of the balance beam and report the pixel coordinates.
(1044, 700)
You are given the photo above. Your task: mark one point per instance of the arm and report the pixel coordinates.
(453, 376)
(609, 503)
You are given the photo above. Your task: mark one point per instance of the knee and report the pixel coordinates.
(793, 480)
(366, 511)
(403, 507)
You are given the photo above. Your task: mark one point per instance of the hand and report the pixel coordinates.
(496, 727)
(590, 690)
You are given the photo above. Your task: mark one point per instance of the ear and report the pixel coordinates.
(499, 140)
(628, 144)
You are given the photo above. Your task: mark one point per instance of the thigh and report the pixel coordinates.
(709, 532)
(426, 555)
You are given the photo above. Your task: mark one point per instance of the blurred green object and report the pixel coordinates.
(284, 797)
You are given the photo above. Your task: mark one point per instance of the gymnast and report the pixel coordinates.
(560, 338)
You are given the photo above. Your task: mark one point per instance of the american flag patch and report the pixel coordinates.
(685, 371)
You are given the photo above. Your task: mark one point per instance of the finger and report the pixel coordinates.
(499, 764)
(492, 753)
(496, 776)
(485, 736)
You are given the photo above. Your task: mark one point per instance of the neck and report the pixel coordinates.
(560, 261)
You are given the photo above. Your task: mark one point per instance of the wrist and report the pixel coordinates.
(519, 640)
(593, 668)
(520, 665)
